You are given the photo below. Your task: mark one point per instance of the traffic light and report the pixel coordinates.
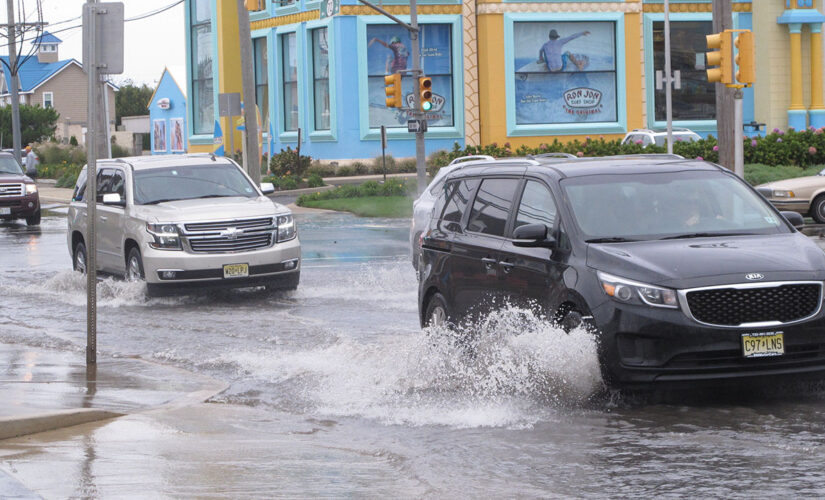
(392, 87)
(425, 87)
(721, 58)
(252, 5)
(744, 58)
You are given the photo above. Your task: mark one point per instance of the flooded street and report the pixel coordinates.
(340, 368)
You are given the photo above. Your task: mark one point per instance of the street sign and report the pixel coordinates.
(108, 36)
(330, 8)
(416, 126)
(229, 104)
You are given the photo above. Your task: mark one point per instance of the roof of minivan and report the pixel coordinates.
(161, 161)
(600, 166)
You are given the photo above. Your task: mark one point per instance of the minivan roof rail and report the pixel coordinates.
(462, 159)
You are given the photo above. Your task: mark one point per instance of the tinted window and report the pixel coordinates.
(104, 183)
(536, 206)
(457, 194)
(157, 185)
(492, 206)
(80, 186)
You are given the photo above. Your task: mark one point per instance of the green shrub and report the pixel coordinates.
(377, 165)
(343, 172)
(119, 151)
(73, 141)
(321, 170)
(360, 169)
(288, 183)
(314, 181)
(287, 163)
(393, 187)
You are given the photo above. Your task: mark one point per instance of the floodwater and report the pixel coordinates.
(523, 415)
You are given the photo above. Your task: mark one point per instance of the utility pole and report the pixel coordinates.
(723, 20)
(15, 82)
(668, 81)
(91, 183)
(251, 154)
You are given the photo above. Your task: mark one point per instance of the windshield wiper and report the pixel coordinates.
(612, 239)
(219, 196)
(155, 202)
(702, 235)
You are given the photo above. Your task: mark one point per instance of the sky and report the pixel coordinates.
(150, 44)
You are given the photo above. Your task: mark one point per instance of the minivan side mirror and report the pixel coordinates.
(113, 199)
(794, 218)
(533, 235)
(267, 188)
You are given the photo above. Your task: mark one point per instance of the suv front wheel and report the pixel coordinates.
(79, 258)
(134, 266)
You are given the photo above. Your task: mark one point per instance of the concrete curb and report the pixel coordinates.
(11, 427)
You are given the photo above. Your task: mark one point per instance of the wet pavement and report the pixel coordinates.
(334, 390)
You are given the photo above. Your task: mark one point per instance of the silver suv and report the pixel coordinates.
(185, 221)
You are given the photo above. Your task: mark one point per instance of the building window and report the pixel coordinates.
(696, 100)
(320, 75)
(289, 60)
(48, 100)
(262, 78)
(565, 72)
(389, 51)
(202, 86)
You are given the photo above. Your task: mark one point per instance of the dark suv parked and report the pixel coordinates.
(680, 268)
(18, 192)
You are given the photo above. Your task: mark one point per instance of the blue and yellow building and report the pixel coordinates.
(503, 71)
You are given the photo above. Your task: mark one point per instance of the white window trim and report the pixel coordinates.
(51, 98)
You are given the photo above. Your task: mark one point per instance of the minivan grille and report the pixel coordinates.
(260, 223)
(11, 190)
(735, 306)
(221, 244)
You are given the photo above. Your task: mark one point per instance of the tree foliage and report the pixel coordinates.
(131, 100)
(36, 124)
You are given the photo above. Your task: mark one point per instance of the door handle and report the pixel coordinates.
(488, 263)
(103, 218)
(506, 266)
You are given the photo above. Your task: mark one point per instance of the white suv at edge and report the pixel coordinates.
(185, 221)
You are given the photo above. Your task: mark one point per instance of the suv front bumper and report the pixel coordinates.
(20, 207)
(643, 346)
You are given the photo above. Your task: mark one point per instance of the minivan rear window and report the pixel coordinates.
(492, 206)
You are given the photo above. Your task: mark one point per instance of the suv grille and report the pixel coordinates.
(11, 190)
(230, 236)
(736, 306)
(223, 225)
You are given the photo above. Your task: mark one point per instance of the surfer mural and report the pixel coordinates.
(572, 76)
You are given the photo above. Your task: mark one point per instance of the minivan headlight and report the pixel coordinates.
(633, 292)
(166, 236)
(286, 228)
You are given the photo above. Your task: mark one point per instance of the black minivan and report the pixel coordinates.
(683, 271)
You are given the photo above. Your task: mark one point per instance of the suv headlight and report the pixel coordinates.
(166, 236)
(783, 193)
(286, 228)
(31, 188)
(633, 292)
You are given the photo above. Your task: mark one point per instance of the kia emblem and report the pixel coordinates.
(754, 276)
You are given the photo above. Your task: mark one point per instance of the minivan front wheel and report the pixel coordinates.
(134, 266)
(437, 313)
(79, 258)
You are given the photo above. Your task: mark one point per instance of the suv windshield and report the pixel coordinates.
(8, 165)
(667, 205)
(158, 185)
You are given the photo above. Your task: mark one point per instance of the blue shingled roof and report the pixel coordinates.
(33, 72)
(47, 37)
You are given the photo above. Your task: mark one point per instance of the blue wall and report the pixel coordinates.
(176, 114)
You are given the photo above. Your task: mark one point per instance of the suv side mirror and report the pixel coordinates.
(113, 199)
(267, 188)
(794, 218)
(533, 235)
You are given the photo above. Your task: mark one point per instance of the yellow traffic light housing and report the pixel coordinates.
(746, 72)
(392, 87)
(425, 88)
(720, 58)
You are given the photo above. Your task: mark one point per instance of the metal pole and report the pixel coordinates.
(105, 118)
(15, 82)
(384, 151)
(91, 192)
(251, 154)
(420, 154)
(668, 81)
(722, 20)
(231, 137)
(738, 150)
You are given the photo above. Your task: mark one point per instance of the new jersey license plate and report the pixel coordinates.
(5, 211)
(236, 270)
(760, 345)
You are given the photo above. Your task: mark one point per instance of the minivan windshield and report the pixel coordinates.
(615, 208)
(159, 185)
(8, 165)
